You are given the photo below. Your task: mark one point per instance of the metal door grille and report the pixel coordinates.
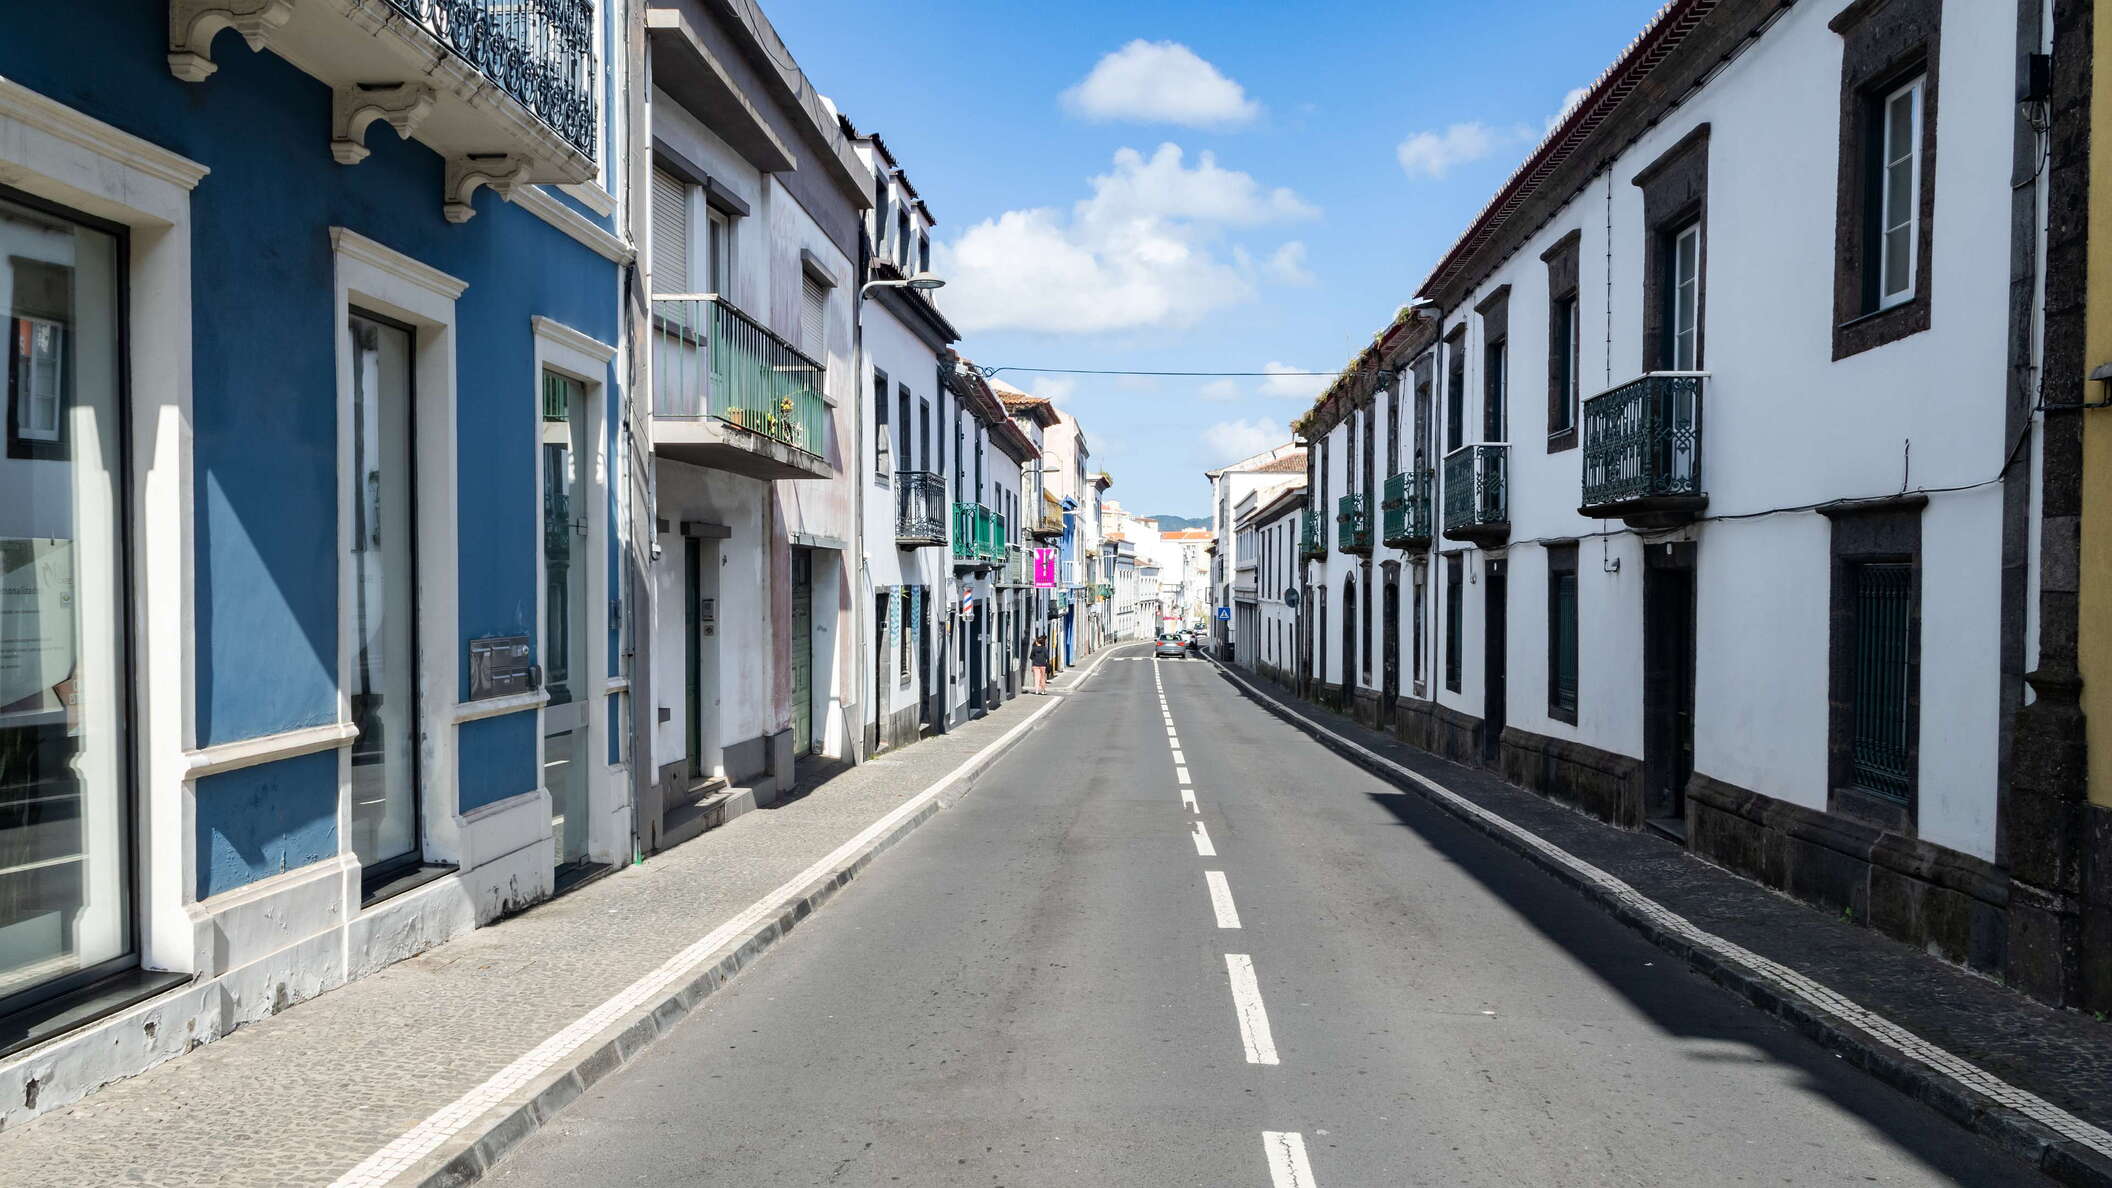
(1884, 601)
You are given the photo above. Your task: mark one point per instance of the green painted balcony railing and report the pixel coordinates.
(1353, 524)
(1477, 496)
(1312, 538)
(1019, 567)
(1405, 512)
(1642, 443)
(1104, 591)
(712, 360)
(978, 535)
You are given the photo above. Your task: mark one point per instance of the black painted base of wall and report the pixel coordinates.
(1438, 729)
(1605, 784)
(1952, 904)
(1364, 707)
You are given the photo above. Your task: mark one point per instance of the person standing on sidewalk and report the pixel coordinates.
(1039, 659)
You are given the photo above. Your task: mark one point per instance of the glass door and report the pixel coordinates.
(65, 817)
(384, 691)
(565, 761)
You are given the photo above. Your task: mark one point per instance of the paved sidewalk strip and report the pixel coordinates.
(2034, 1079)
(426, 1071)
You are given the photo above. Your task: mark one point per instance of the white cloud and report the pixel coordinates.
(1053, 387)
(1218, 390)
(1233, 440)
(1141, 251)
(1161, 82)
(1292, 382)
(1434, 154)
(1569, 104)
(1287, 265)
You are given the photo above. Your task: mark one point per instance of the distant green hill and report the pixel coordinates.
(1177, 523)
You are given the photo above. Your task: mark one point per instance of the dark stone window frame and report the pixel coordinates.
(1884, 44)
(1564, 382)
(1675, 195)
(1455, 619)
(1561, 563)
(1877, 531)
(1495, 314)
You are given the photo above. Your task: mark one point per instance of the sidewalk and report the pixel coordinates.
(448, 1058)
(1959, 1042)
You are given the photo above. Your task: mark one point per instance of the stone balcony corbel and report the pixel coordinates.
(503, 172)
(355, 108)
(194, 23)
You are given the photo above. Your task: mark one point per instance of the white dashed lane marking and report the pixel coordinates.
(1246, 1004)
(1287, 1165)
(1202, 842)
(1221, 899)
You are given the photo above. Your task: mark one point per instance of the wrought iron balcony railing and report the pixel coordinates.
(1477, 494)
(1312, 538)
(920, 508)
(978, 535)
(1353, 524)
(1102, 591)
(539, 52)
(1642, 448)
(1405, 511)
(712, 360)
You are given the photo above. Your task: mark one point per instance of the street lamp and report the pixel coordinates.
(923, 281)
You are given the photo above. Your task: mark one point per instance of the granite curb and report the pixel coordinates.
(2057, 1156)
(465, 1158)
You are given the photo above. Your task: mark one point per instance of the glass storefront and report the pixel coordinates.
(65, 804)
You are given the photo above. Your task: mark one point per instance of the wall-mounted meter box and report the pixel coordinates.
(498, 667)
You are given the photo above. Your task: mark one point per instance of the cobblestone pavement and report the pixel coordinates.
(301, 1097)
(2062, 1056)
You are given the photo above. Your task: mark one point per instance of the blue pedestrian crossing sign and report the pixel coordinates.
(1224, 612)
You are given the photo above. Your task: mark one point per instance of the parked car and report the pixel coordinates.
(1170, 644)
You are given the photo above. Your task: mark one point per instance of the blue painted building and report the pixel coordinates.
(317, 507)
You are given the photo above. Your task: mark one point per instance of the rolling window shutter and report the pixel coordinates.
(670, 233)
(813, 305)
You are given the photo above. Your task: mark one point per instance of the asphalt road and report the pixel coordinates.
(1039, 988)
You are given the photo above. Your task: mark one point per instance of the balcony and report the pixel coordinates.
(1102, 591)
(503, 91)
(978, 536)
(920, 508)
(1312, 539)
(1049, 526)
(1405, 511)
(1477, 495)
(1353, 524)
(729, 394)
(1642, 451)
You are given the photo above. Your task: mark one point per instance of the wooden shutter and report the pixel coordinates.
(670, 258)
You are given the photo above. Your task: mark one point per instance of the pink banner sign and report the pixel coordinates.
(1044, 569)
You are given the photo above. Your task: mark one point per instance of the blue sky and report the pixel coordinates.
(1323, 156)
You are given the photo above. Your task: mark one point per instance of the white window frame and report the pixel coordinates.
(1889, 155)
(1691, 333)
(52, 400)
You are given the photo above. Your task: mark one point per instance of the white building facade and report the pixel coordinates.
(1653, 496)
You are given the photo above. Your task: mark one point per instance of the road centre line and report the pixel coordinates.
(1246, 1004)
(1181, 774)
(1178, 758)
(1201, 837)
(1791, 983)
(1221, 899)
(1188, 800)
(1287, 1165)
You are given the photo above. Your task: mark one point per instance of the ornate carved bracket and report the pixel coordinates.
(353, 109)
(194, 23)
(503, 172)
